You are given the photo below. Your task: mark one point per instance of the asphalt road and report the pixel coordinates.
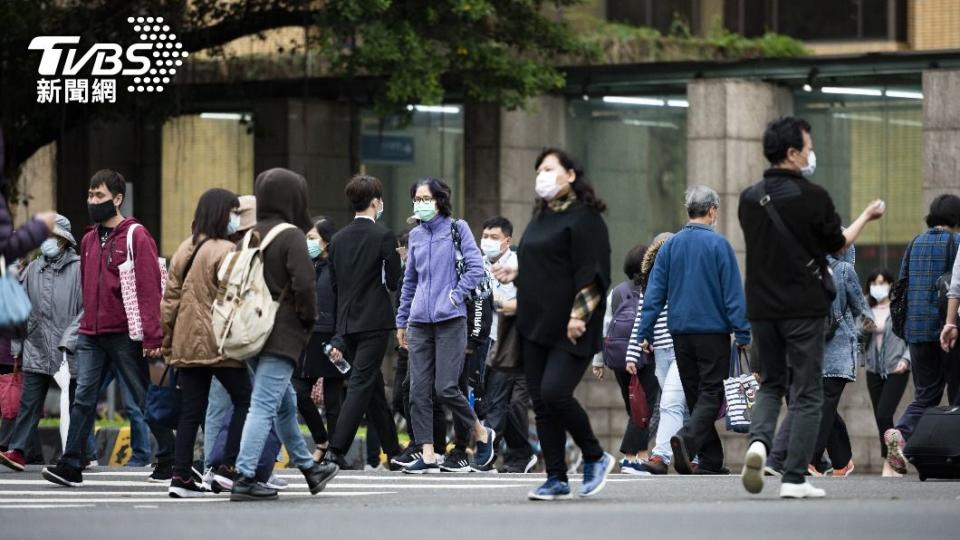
(119, 504)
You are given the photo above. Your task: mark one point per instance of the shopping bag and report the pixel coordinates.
(11, 387)
(14, 302)
(128, 287)
(740, 392)
(639, 410)
(163, 401)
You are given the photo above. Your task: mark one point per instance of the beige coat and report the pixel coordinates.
(188, 339)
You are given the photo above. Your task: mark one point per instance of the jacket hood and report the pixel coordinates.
(68, 257)
(121, 228)
(282, 194)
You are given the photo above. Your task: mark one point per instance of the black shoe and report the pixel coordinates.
(223, 479)
(681, 458)
(318, 476)
(456, 461)
(408, 457)
(162, 473)
(184, 488)
(63, 475)
(711, 471)
(248, 489)
(336, 458)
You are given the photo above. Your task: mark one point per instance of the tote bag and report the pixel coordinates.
(163, 401)
(740, 391)
(128, 287)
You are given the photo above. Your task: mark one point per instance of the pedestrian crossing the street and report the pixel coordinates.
(129, 488)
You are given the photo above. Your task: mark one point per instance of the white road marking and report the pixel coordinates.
(145, 506)
(147, 499)
(44, 506)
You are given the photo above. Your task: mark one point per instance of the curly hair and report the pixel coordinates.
(650, 257)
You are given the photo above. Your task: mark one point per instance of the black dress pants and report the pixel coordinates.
(194, 385)
(703, 361)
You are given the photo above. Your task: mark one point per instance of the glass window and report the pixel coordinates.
(430, 145)
(816, 19)
(634, 151)
(657, 14)
(868, 147)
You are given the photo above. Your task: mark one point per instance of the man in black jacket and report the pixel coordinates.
(365, 267)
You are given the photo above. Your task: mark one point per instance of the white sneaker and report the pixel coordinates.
(801, 491)
(752, 474)
(207, 479)
(530, 464)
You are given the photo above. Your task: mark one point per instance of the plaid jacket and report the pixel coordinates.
(928, 260)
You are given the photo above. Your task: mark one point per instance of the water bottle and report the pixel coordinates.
(342, 365)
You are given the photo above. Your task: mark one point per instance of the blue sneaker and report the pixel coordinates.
(421, 467)
(483, 453)
(595, 475)
(632, 467)
(551, 490)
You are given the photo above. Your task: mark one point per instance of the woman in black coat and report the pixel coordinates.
(314, 364)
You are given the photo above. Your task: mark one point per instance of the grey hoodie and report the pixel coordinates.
(54, 290)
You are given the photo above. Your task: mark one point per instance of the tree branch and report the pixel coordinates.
(233, 28)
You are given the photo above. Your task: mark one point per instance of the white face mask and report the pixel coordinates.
(380, 211)
(546, 186)
(490, 247)
(879, 292)
(811, 167)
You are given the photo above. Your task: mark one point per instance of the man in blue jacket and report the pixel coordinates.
(697, 274)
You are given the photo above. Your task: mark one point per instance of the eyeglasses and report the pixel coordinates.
(423, 199)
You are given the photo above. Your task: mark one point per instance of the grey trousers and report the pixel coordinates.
(437, 353)
(790, 352)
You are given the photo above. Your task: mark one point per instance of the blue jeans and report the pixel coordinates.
(673, 403)
(95, 357)
(273, 398)
(139, 430)
(218, 403)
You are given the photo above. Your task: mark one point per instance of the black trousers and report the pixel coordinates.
(552, 376)
(365, 394)
(635, 439)
(832, 391)
(933, 370)
(194, 385)
(505, 407)
(703, 361)
(333, 390)
(885, 395)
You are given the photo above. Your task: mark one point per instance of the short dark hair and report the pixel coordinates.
(783, 134)
(112, 180)
(633, 262)
(880, 272)
(361, 190)
(325, 227)
(213, 213)
(440, 192)
(582, 187)
(944, 211)
(404, 238)
(499, 222)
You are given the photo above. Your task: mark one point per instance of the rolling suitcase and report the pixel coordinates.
(934, 447)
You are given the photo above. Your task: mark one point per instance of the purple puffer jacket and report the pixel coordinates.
(431, 292)
(17, 243)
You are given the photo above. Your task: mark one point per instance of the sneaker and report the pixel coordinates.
(91, 464)
(223, 479)
(195, 475)
(64, 475)
(456, 461)
(421, 467)
(408, 457)
(595, 475)
(248, 489)
(631, 466)
(769, 470)
(551, 490)
(373, 468)
(656, 465)
(801, 491)
(134, 464)
(483, 452)
(207, 480)
(162, 473)
(812, 471)
(13, 460)
(277, 483)
(752, 474)
(184, 488)
(895, 443)
(843, 472)
(681, 458)
(319, 475)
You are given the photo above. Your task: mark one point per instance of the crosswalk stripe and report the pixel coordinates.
(211, 499)
(44, 506)
(399, 485)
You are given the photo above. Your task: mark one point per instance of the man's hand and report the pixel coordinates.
(645, 345)
(631, 368)
(948, 338)
(402, 337)
(743, 346)
(335, 354)
(153, 353)
(598, 372)
(504, 274)
(575, 329)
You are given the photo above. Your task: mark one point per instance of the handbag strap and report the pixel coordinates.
(948, 264)
(765, 202)
(173, 376)
(186, 271)
(130, 241)
(3, 266)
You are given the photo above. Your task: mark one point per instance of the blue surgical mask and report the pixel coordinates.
(313, 248)
(425, 210)
(51, 248)
(233, 225)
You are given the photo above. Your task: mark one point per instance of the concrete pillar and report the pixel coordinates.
(941, 135)
(725, 124)
(500, 150)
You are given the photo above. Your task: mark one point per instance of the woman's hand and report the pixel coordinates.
(504, 274)
(631, 368)
(598, 372)
(902, 367)
(402, 337)
(575, 329)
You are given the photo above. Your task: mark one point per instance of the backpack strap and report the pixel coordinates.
(274, 232)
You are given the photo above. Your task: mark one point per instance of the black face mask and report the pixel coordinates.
(101, 212)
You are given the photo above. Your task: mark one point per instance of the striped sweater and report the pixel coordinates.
(661, 335)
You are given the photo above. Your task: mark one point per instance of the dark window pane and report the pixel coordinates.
(818, 19)
(627, 11)
(875, 19)
(664, 12)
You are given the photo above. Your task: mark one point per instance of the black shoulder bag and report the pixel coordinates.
(482, 291)
(898, 296)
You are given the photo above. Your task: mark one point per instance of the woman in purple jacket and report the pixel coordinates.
(431, 319)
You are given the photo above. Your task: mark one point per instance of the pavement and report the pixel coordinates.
(117, 503)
